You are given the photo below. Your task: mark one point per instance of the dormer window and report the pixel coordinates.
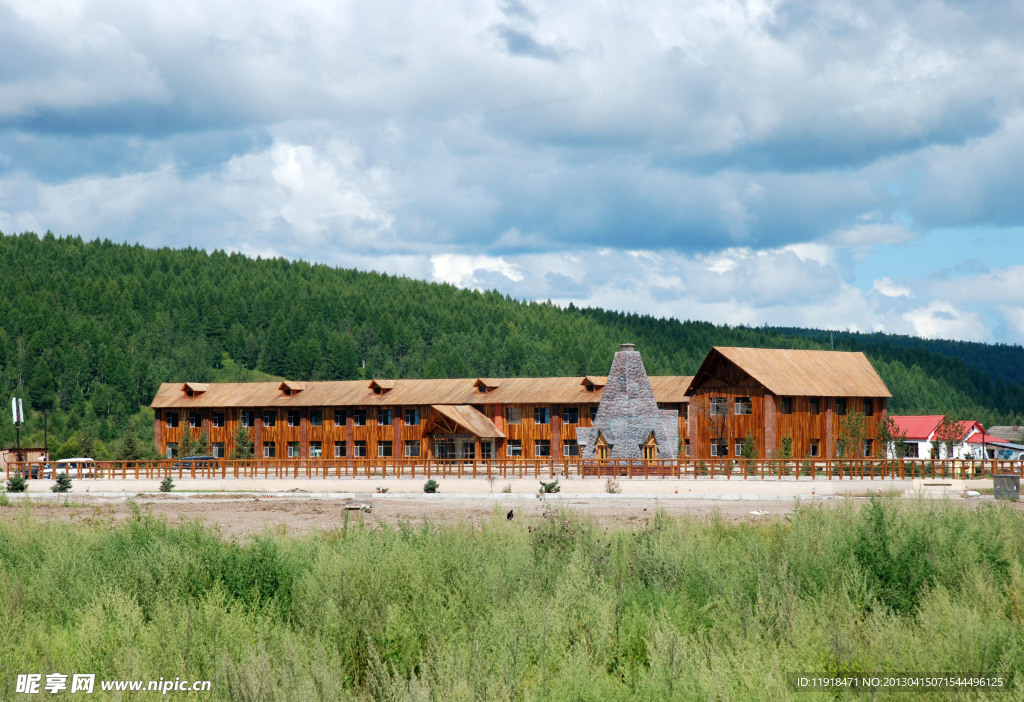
(193, 389)
(590, 383)
(379, 387)
(290, 387)
(485, 385)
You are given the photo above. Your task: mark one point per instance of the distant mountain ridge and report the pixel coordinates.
(88, 330)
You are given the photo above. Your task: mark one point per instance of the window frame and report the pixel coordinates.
(340, 417)
(294, 449)
(316, 418)
(786, 404)
(841, 404)
(867, 406)
(171, 420)
(172, 449)
(408, 452)
(341, 449)
(196, 417)
(385, 449)
(542, 448)
(217, 420)
(741, 408)
(516, 412)
(541, 414)
(359, 418)
(358, 449)
(217, 446)
(514, 448)
(717, 444)
(718, 406)
(414, 412)
(570, 448)
(567, 414)
(294, 417)
(814, 406)
(248, 418)
(270, 418)
(385, 417)
(814, 448)
(270, 449)
(316, 449)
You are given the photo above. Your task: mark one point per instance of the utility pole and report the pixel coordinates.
(18, 411)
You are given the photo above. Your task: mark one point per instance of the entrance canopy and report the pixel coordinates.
(467, 418)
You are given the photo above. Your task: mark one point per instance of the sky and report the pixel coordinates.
(841, 164)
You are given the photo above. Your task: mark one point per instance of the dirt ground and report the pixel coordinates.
(247, 515)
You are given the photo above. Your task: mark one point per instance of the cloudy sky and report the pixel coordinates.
(815, 163)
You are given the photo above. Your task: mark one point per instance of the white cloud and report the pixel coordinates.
(941, 319)
(462, 270)
(886, 287)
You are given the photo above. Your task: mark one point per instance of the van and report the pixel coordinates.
(71, 466)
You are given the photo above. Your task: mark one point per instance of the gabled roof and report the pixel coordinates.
(444, 391)
(803, 371)
(382, 385)
(471, 419)
(598, 381)
(291, 387)
(918, 428)
(194, 388)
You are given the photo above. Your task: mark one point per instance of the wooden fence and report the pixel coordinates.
(730, 469)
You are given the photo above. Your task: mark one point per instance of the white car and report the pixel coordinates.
(71, 467)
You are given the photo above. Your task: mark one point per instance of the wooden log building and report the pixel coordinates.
(769, 392)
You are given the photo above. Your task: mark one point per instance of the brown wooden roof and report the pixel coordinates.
(471, 419)
(458, 391)
(804, 372)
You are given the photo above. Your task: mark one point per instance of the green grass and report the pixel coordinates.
(559, 608)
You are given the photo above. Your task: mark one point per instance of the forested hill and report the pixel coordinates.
(89, 330)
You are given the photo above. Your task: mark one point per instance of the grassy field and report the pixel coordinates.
(555, 608)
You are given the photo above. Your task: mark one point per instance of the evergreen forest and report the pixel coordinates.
(88, 331)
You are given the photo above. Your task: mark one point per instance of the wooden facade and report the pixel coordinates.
(461, 418)
(770, 394)
(775, 394)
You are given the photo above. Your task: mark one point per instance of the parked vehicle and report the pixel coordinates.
(71, 466)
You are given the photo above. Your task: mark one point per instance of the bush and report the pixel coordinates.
(551, 487)
(430, 486)
(63, 483)
(17, 483)
(167, 484)
(611, 485)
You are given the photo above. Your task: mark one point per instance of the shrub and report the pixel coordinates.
(551, 487)
(63, 483)
(507, 488)
(4, 502)
(611, 485)
(17, 483)
(430, 486)
(167, 484)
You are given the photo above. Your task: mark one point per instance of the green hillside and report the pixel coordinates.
(88, 330)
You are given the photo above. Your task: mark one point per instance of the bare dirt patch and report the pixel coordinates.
(247, 515)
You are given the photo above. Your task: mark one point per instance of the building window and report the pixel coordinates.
(542, 415)
(912, 449)
(412, 449)
(340, 449)
(738, 447)
(316, 449)
(340, 417)
(814, 449)
(867, 448)
(593, 412)
(172, 450)
(571, 415)
(602, 451)
(294, 418)
(719, 449)
(869, 408)
(359, 449)
(840, 406)
(171, 418)
(384, 449)
(514, 448)
(248, 418)
(649, 451)
(269, 449)
(293, 449)
(685, 411)
(786, 405)
(359, 417)
(687, 447)
(195, 420)
(218, 449)
(719, 406)
(570, 448)
(269, 418)
(468, 450)
(384, 417)
(514, 415)
(217, 419)
(412, 417)
(486, 450)
(542, 448)
(316, 418)
(744, 406)
(813, 406)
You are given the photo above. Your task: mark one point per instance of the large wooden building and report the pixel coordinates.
(769, 392)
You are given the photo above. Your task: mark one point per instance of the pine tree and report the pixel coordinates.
(243, 442)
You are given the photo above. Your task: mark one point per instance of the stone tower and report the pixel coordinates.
(628, 417)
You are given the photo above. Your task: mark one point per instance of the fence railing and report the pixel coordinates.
(535, 468)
